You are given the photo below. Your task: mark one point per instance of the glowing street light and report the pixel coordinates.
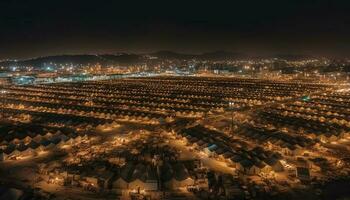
(231, 106)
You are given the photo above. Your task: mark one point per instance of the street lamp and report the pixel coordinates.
(2, 93)
(231, 106)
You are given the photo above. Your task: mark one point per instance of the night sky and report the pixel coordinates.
(31, 28)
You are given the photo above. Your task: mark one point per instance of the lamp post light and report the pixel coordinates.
(2, 93)
(231, 106)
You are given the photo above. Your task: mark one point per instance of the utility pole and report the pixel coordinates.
(231, 108)
(2, 93)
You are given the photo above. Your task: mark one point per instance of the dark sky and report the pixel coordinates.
(33, 27)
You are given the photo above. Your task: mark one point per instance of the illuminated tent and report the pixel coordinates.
(176, 176)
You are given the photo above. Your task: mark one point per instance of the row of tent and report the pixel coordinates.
(33, 147)
(78, 112)
(26, 132)
(170, 176)
(321, 116)
(173, 90)
(23, 132)
(288, 144)
(59, 118)
(81, 108)
(234, 152)
(130, 99)
(136, 176)
(169, 105)
(313, 128)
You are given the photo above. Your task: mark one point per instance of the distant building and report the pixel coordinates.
(23, 80)
(5, 80)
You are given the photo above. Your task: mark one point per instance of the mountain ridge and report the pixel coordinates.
(132, 58)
